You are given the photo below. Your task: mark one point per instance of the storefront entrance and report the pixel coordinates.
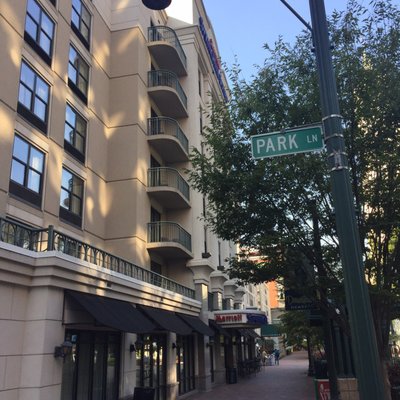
(91, 371)
(185, 371)
(151, 364)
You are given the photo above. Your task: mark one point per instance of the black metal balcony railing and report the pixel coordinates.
(169, 232)
(170, 177)
(41, 240)
(169, 79)
(167, 126)
(166, 34)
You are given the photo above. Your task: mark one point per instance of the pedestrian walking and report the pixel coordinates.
(276, 354)
(264, 357)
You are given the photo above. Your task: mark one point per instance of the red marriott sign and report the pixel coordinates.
(228, 318)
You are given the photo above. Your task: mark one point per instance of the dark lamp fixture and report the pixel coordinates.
(174, 345)
(156, 4)
(63, 349)
(132, 348)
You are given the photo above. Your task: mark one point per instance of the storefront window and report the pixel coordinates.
(151, 364)
(90, 372)
(185, 363)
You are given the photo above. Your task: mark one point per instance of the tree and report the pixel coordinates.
(282, 206)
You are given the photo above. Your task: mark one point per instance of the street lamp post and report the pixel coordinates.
(368, 369)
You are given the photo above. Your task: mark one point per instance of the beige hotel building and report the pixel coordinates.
(110, 283)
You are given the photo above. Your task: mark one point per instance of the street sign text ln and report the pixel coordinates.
(298, 140)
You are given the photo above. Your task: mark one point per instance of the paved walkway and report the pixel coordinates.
(288, 381)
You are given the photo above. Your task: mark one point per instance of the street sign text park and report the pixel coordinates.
(291, 141)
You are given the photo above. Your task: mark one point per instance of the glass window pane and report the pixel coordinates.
(77, 187)
(68, 134)
(82, 86)
(25, 96)
(84, 70)
(75, 18)
(45, 43)
(34, 181)
(75, 205)
(42, 89)
(31, 27)
(66, 181)
(72, 55)
(20, 149)
(34, 9)
(85, 32)
(47, 25)
(70, 115)
(80, 143)
(64, 199)
(17, 172)
(72, 73)
(86, 16)
(81, 125)
(27, 75)
(39, 109)
(36, 161)
(77, 5)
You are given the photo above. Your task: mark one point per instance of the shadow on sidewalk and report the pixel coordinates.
(287, 381)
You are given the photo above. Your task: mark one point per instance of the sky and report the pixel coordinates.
(243, 27)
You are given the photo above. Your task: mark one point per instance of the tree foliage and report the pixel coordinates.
(282, 206)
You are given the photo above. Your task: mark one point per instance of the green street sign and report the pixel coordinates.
(290, 141)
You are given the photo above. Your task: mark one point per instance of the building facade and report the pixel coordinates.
(109, 279)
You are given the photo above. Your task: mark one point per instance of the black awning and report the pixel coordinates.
(217, 328)
(113, 313)
(197, 324)
(167, 320)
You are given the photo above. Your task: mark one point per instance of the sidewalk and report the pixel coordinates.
(288, 381)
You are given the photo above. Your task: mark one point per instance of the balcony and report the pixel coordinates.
(168, 187)
(168, 139)
(166, 91)
(169, 240)
(48, 239)
(165, 47)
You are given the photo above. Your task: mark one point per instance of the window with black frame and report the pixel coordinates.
(75, 133)
(80, 22)
(185, 359)
(91, 370)
(27, 167)
(39, 30)
(78, 74)
(33, 97)
(151, 364)
(71, 198)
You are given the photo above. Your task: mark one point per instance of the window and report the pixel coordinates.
(75, 133)
(71, 199)
(78, 74)
(39, 31)
(27, 165)
(80, 21)
(33, 98)
(91, 370)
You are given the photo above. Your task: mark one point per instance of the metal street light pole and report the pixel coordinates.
(368, 368)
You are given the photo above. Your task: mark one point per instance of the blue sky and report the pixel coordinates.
(242, 27)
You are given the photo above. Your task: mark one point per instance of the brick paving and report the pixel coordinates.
(288, 381)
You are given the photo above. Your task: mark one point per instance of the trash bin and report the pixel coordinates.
(143, 393)
(231, 375)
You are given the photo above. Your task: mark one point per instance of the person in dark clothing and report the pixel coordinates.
(276, 354)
